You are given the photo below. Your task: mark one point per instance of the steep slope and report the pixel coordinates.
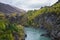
(9, 29)
(32, 15)
(8, 9)
(11, 13)
(46, 18)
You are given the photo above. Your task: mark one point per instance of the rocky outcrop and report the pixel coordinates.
(55, 35)
(52, 23)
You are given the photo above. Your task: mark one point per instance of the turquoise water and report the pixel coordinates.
(34, 34)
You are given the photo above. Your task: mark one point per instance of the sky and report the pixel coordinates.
(29, 4)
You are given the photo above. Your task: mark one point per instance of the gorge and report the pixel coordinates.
(41, 24)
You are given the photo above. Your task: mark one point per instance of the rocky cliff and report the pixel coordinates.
(45, 18)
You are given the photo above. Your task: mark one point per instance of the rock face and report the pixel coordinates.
(55, 35)
(8, 9)
(51, 21)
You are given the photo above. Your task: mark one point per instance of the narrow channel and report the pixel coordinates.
(34, 34)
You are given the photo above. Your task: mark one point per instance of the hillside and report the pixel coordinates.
(9, 27)
(13, 14)
(33, 14)
(45, 18)
(8, 9)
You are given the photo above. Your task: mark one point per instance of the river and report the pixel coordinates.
(34, 34)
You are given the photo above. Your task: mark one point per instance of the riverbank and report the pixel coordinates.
(11, 31)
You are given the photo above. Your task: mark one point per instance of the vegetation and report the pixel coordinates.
(9, 30)
(10, 25)
(34, 17)
(47, 18)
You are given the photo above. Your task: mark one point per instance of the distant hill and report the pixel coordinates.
(8, 9)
